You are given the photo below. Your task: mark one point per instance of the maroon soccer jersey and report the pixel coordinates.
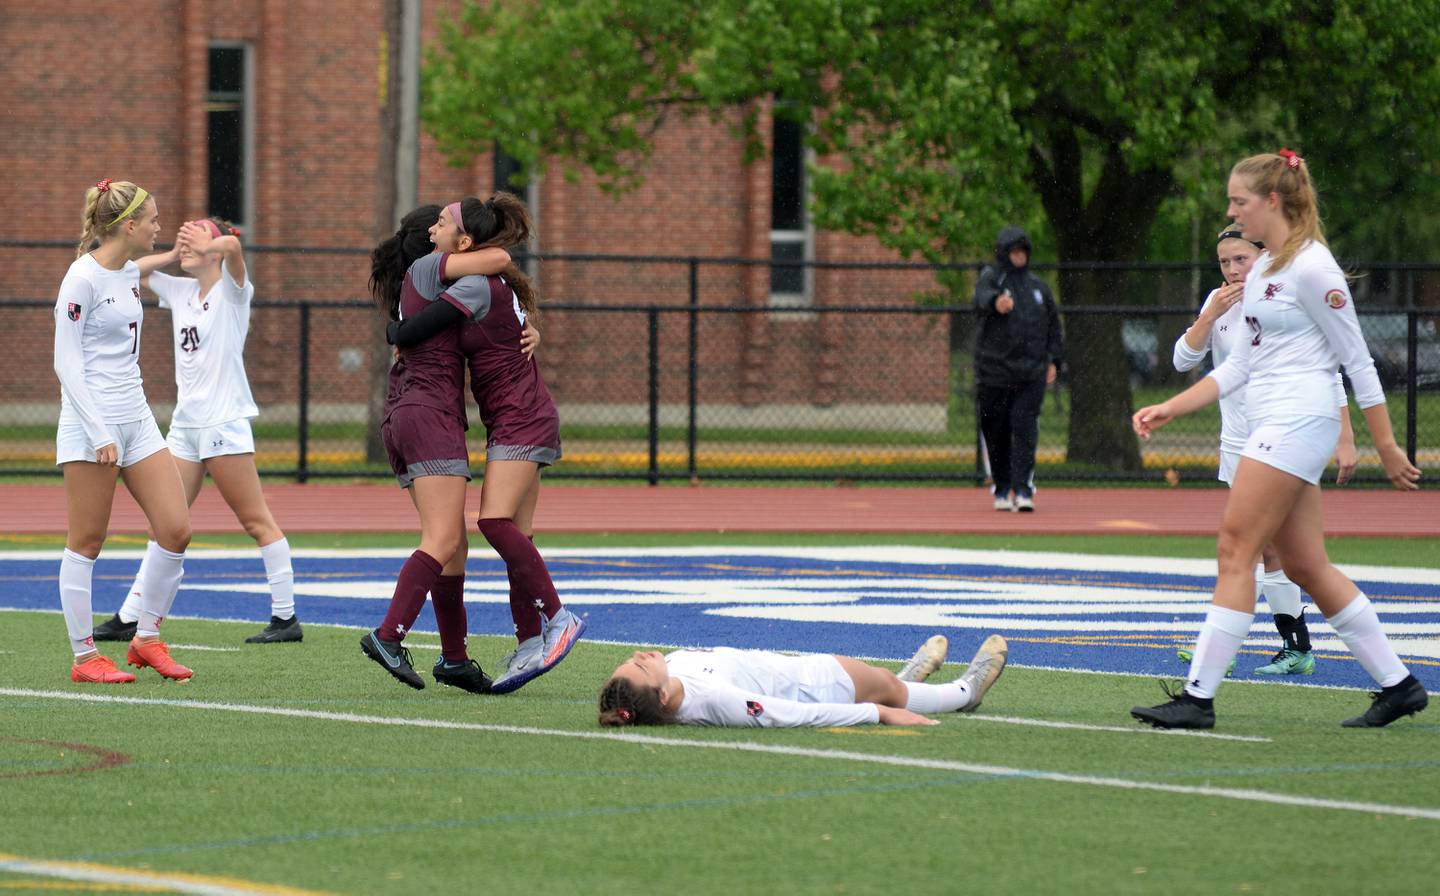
(432, 374)
(514, 403)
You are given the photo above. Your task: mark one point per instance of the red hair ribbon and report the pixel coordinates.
(1292, 160)
(624, 714)
(104, 185)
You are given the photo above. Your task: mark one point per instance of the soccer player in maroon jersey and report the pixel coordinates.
(521, 423)
(424, 433)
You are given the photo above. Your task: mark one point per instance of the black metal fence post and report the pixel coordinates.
(302, 451)
(1412, 399)
(692, 374)
(653, 318)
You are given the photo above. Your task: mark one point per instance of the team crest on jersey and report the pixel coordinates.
(753, 709)
(1335, 299)
(1272, 290)
(73, 311)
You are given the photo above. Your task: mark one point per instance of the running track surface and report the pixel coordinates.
(372, 507)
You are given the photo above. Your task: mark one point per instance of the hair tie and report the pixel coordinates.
(104, 185)
(1292, 161)
(625, 714)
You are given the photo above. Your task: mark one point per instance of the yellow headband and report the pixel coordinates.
(139, 200)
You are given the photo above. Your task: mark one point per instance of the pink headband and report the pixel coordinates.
(454, 209)
(211, 226)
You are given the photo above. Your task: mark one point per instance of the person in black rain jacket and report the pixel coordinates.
(1018, 351)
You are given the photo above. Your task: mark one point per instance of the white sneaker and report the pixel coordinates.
(984, 668)
(1003, 502)
(927, 659)
(1024, 503)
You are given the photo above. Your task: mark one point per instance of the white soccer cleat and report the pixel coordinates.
(1003, 502)
(927, 659)
(984, 668)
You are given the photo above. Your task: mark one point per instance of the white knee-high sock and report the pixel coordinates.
(926, 698)
(281, 577)
(134, 600)
(157, 591)
(76, 572)
(1220, 639)
(1359, 627)
(1282, 595)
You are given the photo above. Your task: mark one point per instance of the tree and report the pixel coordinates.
(939, 122)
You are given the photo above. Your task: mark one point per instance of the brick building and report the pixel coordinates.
(268, 110)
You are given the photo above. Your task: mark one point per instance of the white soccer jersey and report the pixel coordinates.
(1226, 331)
(732, 688)
(97, 347)
(211, 386)
(1300, 328)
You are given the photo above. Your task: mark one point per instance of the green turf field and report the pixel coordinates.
(304, 768)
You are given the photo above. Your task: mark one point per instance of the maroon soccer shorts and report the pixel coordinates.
(423, 441)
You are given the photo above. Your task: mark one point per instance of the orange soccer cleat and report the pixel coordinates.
(99, 669)
(153, 653)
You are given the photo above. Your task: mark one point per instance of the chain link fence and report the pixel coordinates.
(669, 369)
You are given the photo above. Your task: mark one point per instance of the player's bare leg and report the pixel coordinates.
(155, 484)
(238, 480)
(89, 494)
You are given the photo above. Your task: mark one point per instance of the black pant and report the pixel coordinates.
(1010, 422)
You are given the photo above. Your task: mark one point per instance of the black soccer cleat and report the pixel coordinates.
(115, 629)
(393, 658)
(467, 676)
(1397, 701)
(279, 631)
(1183, 711)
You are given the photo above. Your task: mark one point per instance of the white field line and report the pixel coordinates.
(998, 771)
(1028, 560)
(145, 881)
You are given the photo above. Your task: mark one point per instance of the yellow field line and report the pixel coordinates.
(114, 877)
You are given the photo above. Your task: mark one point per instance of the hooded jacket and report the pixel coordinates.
(1014, 349)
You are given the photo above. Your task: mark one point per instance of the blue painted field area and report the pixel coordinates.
(1118, 614)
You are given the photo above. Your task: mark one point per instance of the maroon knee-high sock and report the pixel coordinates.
(523, 611)
(448, 597)
(416, 578)
(529, 578)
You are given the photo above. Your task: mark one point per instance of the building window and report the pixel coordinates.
(229, 115)
(790, 234)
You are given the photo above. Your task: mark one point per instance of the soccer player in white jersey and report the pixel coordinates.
(1214, 332)
(210, 428)
(729, 688)
(106, 424)
(1300, 327)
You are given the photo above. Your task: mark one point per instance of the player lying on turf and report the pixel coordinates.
(725, 687)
